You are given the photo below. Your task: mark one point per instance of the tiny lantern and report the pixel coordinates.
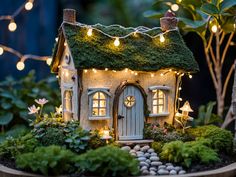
(186, 109)
(106, 135)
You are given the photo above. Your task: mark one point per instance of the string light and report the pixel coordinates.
(162, 74)
(85, 70)
(90, 32)
(29, 5)
(94, 70)
(132, 72)
(114, 71)
(179, 1)
(12, 26)
(214, 28)
(20, 65)
(1, 50)
(174, 7)
(190, 76)
(170, 70)
(162, 38)
(135, 74)
(180, 88)
(182, 75)
(126, 70)
(117, 42)
(106, 69)
(180, 99)
(49, 61)
(56, 39)
(152, 75)
(57, 76)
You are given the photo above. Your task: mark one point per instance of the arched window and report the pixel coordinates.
(99, 104)
(67, 105)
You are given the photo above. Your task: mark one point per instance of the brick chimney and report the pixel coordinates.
(69, 15)
(169, 21)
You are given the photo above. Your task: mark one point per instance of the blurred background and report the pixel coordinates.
(37, 29)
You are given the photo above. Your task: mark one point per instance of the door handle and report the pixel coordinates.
(120, 117)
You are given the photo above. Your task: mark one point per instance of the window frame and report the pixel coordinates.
(91, 94)
(165, 90)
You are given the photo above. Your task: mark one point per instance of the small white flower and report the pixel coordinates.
(41, 101)
(33, 109)
(59, 109)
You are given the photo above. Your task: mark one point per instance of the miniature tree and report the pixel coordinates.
(214, 22)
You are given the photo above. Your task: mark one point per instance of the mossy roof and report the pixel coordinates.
(137, 52)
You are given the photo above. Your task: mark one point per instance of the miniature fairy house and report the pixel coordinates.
(117, 77)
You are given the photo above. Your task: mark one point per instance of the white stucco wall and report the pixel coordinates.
(112, 80)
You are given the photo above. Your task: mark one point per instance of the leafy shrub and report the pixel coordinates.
(53, 136)
(222, 140)
(16, 93)
(189, 152)
(205, 115)
(12, 147)
(95, 140)
(162, 134)
(76, 137)
(50, 160)
(157, 146)
(108, 161)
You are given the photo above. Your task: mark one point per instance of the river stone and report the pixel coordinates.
(139, 152)
(181, 172)
(153, 154)
(154, 158)
(150, 150)
(152, 172)
(147, 155)
(137, 148)
(145, 172)
(148, 161)
(153, 169)
(145, 148)
(173, 172)
(144, 164)
(169, 164)
(133, 154)
(163, 172)
(143, 168)
(142, 159)
(132, 151)
(170, 168)
(126, 148)
(178, 168)
(161, 167)
(156, 163)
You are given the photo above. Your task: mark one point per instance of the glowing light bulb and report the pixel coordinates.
(180, 88)
(67, 73)
(12, 26)
(214, 28)
(117, 42)
(49, 61)
(170, 70)
(180, 99)
(190, 76)
(106, 69)
(135, 74)
(114, 71)
(65, 44)
(1, 50)
(162, 38)
(152, 75)
(94, 70)
(20, 65)
(90, 32)
(132, 72)
(162, 74)
(174, 7)
(85, 70)
(182, 74)
(126, 70)
(57, 76)
(29, 5)
(179, 1)
(56, 39)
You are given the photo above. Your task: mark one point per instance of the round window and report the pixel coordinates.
(129, 101)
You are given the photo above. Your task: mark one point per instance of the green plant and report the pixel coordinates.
(53, 136)
(108, 161)
(76, 138)
(50, 160)
(157, 146)
(162, 134)
(16, 93)
(205, 115)
(189, 152)
(12, 147)
(222, 140)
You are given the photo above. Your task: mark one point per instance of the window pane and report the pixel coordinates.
(161, 101)
(102, 112)
(95, 103)
(160, 94)
(95, 111)
(154, 109)
(160, 109)
(102, 96)
(102, 103)
(154, 102)
(155, 95)
(95, 96)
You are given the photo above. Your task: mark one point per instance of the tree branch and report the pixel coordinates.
(222, 38)
(209, 42)
(227, 80)
(213, 55)
(226, 48)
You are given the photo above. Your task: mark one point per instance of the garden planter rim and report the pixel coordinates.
(226, 171)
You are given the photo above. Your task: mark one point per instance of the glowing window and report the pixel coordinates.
(99, 104)
(158, 102)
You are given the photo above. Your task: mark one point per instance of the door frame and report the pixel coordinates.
(118, 92)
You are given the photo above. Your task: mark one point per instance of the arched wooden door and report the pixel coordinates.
(130, 114)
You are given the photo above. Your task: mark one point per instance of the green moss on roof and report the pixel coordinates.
(140, 52)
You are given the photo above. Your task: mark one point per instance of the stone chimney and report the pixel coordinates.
(169, 21)
(69, 15)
